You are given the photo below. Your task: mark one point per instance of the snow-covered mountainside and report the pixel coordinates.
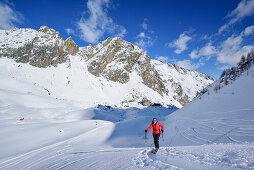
(40, 131)
(113, 72)
(223, 114)
(182, 84)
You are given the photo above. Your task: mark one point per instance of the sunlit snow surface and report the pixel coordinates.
(59, 132)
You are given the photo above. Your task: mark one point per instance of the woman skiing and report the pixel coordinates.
(156, 132)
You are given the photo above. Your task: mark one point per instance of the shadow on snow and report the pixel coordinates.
(130, 123)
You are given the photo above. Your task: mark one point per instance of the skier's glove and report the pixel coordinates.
(145, 130)
(162, 131)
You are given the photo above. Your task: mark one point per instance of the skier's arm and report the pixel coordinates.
(162, 126)
(150, 127)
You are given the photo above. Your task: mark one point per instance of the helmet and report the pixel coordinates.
(155, 118)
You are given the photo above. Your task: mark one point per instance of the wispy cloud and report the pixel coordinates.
(9, 17)
(225, 67)
(146, 37)
(232, 49)
(143, 40)
(208, 50)
(69, 31)
(144, 25)
(228, 51)
(162, 58)
(98, 22)
(248, 31)
(244, 9)
(188, 64)
(180, 44)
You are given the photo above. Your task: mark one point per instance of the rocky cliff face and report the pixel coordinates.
(40, 48)
(114, 59)
(70, 46)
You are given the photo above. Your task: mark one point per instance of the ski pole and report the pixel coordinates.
(145, 138)
(162, 137)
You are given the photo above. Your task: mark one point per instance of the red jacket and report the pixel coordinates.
(156, 127)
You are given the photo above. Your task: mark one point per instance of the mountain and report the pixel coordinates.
(40, 131)
(113, 72)
(115, 59)
(49, 116)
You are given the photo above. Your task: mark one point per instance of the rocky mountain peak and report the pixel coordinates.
(70, 46)
(49, 31)
(41, 48)
(45, 29)
(113, 59)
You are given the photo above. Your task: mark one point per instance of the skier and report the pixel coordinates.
(156, 133)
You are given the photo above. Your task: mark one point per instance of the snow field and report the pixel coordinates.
(223, 117)
(214, 156)
(67, 156)
(58, 132)
(72, 81)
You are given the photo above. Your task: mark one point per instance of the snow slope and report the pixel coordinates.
(223, 117)
(46, 120)
(61, 134)
(65, 156)
(72, 81)
(189, 80)
(50, 119)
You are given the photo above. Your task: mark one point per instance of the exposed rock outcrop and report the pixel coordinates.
(40, 48)
(146, 102)
(179, 95)
(115, 59)
(70, 46)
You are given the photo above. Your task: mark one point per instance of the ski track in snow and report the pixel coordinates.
(202, 157)
(44, 153)
(63, 156)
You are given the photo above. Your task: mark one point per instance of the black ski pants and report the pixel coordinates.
(156, 140)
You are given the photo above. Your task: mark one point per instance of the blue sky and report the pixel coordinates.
(206, 36)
